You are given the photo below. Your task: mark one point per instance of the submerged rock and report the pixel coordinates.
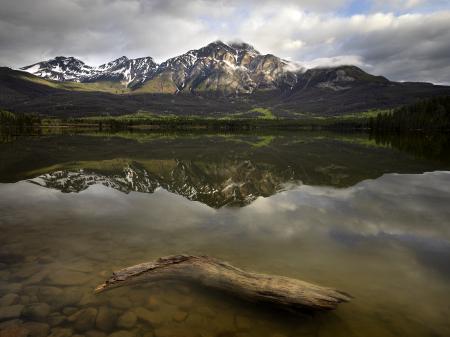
(26, 271)
(87, 299)
(37, 277)
(61, 332)
(47, 294)
(12, 311)
(151, 317)
(69, 297)
(127, 320)
(37, 329)
(9, 299)
(68, 311)
(25, 299)
(84, 319)
(6, 288)
(105, 319)
(180, 316)
(95, 333)
(14, 331)
(56, 318)
(121, 333)
(36, 311)
(5, 324)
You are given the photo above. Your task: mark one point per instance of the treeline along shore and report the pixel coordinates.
(427, 115)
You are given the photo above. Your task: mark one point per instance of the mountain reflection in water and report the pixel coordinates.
(216, 170)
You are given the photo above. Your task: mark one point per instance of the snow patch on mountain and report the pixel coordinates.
(123, 69)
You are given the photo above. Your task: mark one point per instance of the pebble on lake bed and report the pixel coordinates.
(14, 331)
(95, 333)
(180, 316)
(37, 329)
(9, 299)
(84, 319)
(61, 332)
(36, 311)
(127, 320)
(151, 317)
(12, 311)
(121, 333)
(56, 318)
(106, 319)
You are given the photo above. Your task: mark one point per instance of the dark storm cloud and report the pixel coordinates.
(411, 43)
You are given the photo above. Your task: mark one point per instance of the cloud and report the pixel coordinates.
(403, 40)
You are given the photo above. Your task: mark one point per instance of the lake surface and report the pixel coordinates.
(369, 216)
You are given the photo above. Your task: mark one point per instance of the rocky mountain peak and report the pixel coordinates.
(242, 46)
(60, 68)
(228, 68)
(117, 62)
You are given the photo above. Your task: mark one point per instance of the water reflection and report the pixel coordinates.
(345, 220)
(216, 170)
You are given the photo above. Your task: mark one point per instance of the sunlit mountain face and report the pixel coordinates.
(219, 170)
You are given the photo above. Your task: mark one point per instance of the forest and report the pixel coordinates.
(428, 115)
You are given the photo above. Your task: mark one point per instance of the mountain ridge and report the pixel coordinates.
(218, 80)
(234, 68)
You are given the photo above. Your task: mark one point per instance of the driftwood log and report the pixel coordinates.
(289, 293)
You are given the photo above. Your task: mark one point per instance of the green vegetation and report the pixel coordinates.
(102, 86)
(365, 114)
(428, 115)
(266, 113)
(159, 84)
(17, 120)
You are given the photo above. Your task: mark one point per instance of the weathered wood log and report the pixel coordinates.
(289, 293)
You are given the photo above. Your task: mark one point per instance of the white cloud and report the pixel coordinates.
(412, 45)
(336, 61)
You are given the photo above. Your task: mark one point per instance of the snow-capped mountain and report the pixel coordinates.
(228, 68)
(235, 68)
(60, 68)
(123, 70)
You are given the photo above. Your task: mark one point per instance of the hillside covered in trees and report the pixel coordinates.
(429, 115)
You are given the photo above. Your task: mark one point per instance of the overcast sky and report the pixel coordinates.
(401, 39)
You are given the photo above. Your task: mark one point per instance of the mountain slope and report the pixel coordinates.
(23, 92)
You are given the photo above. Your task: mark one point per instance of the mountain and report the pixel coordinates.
(217, 80)
(60, 68)
(236, 68)
(219, 67)
(70, 69)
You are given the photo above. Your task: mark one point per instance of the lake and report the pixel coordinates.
(367, 215)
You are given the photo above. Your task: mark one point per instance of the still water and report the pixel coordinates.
(369, 216)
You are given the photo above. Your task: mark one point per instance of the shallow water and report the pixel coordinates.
(366, 216)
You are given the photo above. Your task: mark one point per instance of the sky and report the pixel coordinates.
(404, 40)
